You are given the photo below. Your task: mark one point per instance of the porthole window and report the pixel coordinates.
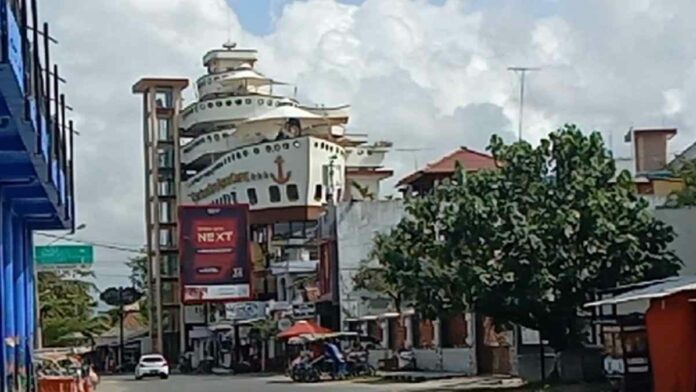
(274, 193)
(218, 103)
(360, 152)
(260, 101)
(202, 106)
(318, 192)
(251, 195)
(316, 145)
(256, 150)
(210, 105)
(246, 153)
(247, 101)
(228, 102)
(269, 102)
(239, 155)
(286, 146)
(369, 152)
(323, 146)
(296, 144)
(292, 193)
(216, 137)
(276, 147)
(238, 102)
(269, 149)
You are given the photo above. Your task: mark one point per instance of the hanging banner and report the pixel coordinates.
(214, 253)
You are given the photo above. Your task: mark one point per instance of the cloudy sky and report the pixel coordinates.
(424, 74)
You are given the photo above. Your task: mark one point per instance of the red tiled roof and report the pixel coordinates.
(469, 159)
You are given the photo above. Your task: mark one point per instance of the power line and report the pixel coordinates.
(97, 244)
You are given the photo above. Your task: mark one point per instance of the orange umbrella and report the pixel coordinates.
(303, 327)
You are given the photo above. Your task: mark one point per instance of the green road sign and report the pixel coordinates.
(63, 256)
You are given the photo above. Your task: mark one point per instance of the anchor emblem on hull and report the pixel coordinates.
(280, 177)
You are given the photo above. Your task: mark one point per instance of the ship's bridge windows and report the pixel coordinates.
(318, 192)
(292, 192)
(274, 193)
(251, 195)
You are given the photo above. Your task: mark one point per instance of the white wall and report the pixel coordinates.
(357, 224)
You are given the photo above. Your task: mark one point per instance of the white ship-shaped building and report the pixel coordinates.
(246, 144)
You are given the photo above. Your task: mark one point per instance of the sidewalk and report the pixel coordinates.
(442, 381)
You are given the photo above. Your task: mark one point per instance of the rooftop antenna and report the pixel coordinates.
(414, 151)
(229, 45)
(522, 72)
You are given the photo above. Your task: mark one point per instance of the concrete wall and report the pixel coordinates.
(455, 360)
(683, 220)
(358, 222)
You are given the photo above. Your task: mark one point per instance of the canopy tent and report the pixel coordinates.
(303, 327)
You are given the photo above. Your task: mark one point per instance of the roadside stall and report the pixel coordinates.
(64, 370)
(660, 355)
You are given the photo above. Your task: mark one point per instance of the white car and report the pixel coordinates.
(152, 365)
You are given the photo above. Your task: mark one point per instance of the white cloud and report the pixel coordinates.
(419, 74)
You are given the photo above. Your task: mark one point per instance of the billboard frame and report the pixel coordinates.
(248, 263)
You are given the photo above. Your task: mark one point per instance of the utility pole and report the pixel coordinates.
(522, 72)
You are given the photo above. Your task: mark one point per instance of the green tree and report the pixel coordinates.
(138, 279)
(530, 242)
(67, 308)
(685, 197)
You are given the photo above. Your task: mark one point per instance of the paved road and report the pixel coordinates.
(185, 383)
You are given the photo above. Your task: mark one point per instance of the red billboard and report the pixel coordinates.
(214, 253)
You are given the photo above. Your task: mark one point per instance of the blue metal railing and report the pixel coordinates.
(44, 104)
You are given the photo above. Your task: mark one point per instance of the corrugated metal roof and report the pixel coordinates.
(660, 289)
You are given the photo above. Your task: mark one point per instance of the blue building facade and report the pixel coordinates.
(36, 176)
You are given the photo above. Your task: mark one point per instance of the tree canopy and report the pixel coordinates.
(530, 242)
(685, 197)
(67, 308)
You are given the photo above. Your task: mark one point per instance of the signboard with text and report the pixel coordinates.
(214, 253)
(63, 257)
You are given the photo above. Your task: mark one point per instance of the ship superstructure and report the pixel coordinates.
(242, 141)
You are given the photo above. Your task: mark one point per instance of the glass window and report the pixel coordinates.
(169, 265)
(274, 193)
(292, 192)
(165, 212)
(281, 230)
(170, 319)
(163, 99)
(165, 187)
(167, 237)
(170, 292)
(318, 193)
(233, 197)
(164, 132)
(251, 195)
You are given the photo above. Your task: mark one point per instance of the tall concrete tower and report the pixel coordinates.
(161, 107)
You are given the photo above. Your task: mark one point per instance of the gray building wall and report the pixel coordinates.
(358, 222)
(683, 220)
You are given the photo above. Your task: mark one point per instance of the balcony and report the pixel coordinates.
(36, 139)
(366, 156)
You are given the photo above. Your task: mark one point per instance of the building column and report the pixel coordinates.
(437, 333)
(3, 317)
(384, 324)
(9, 333)
(20, 300)
(30, 313)
(408, 325)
